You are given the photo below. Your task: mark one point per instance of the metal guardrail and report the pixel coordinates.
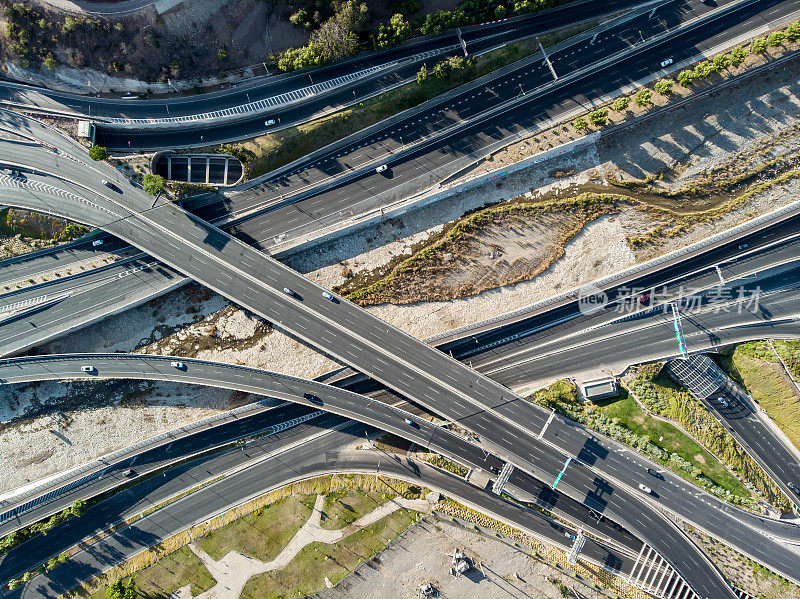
(108, 460)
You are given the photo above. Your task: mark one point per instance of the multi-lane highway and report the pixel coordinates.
(342, 330)
(323, 456)
(305, 214)
(311, 90)
(506, 412)
(749, 425)
(605, 495)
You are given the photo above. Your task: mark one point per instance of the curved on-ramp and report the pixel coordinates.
(660, 534)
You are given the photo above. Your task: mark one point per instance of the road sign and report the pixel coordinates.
(560, 474)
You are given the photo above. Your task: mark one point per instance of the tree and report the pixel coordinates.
(300, 18)
(621, 103)
(580, 124)
(130, 590)
(115, 590)
(663, 86)
(153, 183)
(396, 31)
(98, 153)
(222, 54)
(702, 70)
(643, 97)
(685, 78)
(422, 74)
(758, 45)
(78, 508)
(599, 117)
(721, 62)
(338, 36)
(50, 62)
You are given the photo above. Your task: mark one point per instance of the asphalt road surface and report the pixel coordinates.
(321, 457)
(496, 418)
(247, 92)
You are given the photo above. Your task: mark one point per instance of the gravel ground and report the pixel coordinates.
(420, 555)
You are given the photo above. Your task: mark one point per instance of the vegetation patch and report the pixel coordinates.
(306, 573)
(756, 367)
(342, 508)
(263, 533)
(623, 419)
(423, 271)
(38, 226)
(167, 575)
(286, 501)
(662, 397)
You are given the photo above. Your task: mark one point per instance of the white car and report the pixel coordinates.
(269, 122)
(381, 168)
(328, 296)
(288, 291)
(666, 63)
(87, 368)
(178, 365)
(97, 242)
(645, 489)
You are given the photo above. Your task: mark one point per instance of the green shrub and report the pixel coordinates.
(738, 55)
(664, 86)
(621, 103)
(775, 38)
(758, 45)
(580, 124)
(98, 153)
(685, 78)
(643, 97)
(153, 183)
(721, 62)
(598, 118)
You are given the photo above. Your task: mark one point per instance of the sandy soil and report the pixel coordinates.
(234, 570)
(198, 323)
(420, 556)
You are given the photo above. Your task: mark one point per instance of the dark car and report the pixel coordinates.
(794, 487)
(655, 473)
(312, 398)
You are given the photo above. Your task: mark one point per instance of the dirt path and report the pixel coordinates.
(234, 570)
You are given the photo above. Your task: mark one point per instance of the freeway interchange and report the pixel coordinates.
(470, 376)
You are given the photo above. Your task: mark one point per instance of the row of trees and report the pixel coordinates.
(644, 96)
(342, 33)
(337, 37)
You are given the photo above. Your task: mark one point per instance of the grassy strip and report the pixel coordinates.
(306, 573)
(342, 508)
(625, 421)
(445, 464)
(263, 533)
(757, 369)
(167, 575)
(319, 485)
(268, 152)
(662, 397)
